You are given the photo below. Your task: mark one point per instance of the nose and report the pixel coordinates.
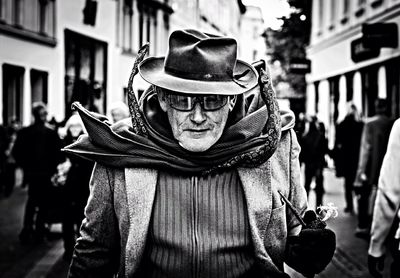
(197, 114)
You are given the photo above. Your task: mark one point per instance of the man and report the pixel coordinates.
(374, 140)
(386, 211)
(347, 151)
(314, 147)
(37, 151)
(191, 189)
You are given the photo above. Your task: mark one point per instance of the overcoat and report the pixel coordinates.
(118, 213)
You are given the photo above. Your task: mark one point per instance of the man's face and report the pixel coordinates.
(117, 115)
(196, 130)
(41, 115)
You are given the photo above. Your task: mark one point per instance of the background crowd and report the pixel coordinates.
(57, 185)
(357, 155)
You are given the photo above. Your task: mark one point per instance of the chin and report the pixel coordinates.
(199, 146)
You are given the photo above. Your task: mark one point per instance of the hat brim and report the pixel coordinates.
(152, 70)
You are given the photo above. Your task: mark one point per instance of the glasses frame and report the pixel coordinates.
(196, 99)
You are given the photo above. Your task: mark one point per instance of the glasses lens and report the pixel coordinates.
(180, 102)
(186, 103)
(214, 102)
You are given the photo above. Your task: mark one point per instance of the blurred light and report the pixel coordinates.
(303, 17)
(272, 10)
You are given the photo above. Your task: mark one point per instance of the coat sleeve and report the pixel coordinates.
(97, 250)
(297, 194)
(387, 201)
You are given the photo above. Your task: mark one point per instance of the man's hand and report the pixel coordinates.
(359, 184)
(311, 251)
(375, 265)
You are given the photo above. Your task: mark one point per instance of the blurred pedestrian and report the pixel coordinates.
(385, 228)
(314, 148)
(10, 165)
(374, 140)
(76, 188)
(37, 151)
(4, 141)
(300, 128)
(118, 110)
(347, 151)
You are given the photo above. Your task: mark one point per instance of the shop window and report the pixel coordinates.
(13, 91)
(32, 20)
(86, 72)
(39, 86)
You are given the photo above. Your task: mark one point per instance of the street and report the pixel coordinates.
(45, 259)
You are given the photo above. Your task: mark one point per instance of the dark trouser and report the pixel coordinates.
(72, 219)
(348, 191)
(9, 178)
(37, 204)
(395, 267)
(364, 216)
(315, 171)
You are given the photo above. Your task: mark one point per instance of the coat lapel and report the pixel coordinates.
(258, 193)
(140, 188)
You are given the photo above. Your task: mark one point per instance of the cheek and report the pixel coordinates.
(220, 117)
(175, 120)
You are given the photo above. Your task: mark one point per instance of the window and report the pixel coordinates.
(17, 10)
(361, 7)
(13, 88)
(39, 86)
(127, 25)
(333, 14)
(321, 15)
(138, 22)
(85, 72)
(345, 10)
(346, 6)
(29, 19)
(376, 3)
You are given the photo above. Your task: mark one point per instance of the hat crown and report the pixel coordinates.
(196, 55)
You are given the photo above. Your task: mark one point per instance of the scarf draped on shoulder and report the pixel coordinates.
(251, 135)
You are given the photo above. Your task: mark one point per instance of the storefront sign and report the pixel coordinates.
(380, 35)
(360, 53)
(300, 66)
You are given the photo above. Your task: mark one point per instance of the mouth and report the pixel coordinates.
(196, 133)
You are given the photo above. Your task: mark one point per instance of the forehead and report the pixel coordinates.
(170, 92)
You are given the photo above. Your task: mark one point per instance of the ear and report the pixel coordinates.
(161, 99)
(232, 102)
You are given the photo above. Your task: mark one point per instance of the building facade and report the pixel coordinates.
(343, 67)
(252, 46)
(83, 50)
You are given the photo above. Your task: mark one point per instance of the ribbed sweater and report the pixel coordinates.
(199, 228)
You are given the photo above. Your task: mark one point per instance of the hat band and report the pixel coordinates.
(200, 76)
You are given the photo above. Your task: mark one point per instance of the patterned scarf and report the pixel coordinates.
(250, 137)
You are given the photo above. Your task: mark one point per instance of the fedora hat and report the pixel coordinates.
(200, 63)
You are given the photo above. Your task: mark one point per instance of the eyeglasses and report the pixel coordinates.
(186, 102)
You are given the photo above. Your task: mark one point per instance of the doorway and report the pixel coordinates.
(85, 72)
(13, 92)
